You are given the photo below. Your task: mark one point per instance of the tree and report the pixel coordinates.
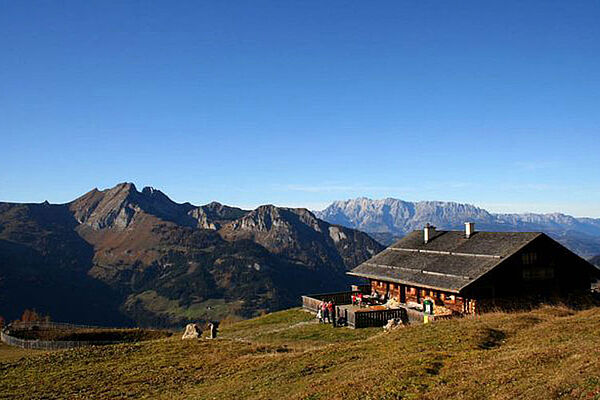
(26, 317)
(30, 316)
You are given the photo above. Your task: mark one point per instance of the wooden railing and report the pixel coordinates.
(375, 318)
(6, 336)
(311, 301)
(364, 317)
(51, 344)
(51, 325)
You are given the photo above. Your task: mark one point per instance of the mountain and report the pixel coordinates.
(120, 256)
(388, 219)
(302, 238)
(595, 260)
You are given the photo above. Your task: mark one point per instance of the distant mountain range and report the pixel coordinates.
(121, 256)
(388, 219)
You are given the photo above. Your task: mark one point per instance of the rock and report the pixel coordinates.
(392, 324)
(192, 331)
(213, 330)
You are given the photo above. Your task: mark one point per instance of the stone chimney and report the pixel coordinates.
(428, 233)
(469, 229)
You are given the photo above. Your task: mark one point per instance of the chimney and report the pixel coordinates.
(469, 229)
(428, 233)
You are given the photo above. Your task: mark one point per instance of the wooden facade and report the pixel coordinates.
(407, 294)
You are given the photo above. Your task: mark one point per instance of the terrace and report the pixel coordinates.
(372, 312)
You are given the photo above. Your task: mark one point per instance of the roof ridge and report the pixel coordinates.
(443, 252)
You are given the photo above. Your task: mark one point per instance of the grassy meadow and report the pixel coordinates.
(547, 353)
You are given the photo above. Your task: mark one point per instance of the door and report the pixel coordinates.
(402, 294)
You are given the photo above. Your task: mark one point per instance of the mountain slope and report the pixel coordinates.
(140, 256)
(389, 218)
(546, 353)
(301, 237)
(44, 264)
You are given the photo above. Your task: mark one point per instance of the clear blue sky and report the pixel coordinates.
(495, 103)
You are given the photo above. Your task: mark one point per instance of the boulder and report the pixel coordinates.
(392, 324)
(192, 331)
(213, 330)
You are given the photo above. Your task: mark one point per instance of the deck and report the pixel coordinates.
(356, 316)
(370, 314)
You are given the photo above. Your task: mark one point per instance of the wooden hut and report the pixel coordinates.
(469, 272)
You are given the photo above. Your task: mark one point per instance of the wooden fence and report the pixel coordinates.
(354, 318)
(375, 318)
(311, 301)
(6, 336)
(18, 325)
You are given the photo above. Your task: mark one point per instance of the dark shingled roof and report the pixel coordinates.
(449, 261)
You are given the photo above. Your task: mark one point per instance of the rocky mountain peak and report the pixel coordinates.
(299, 235)
(214, 215)
(387, 219)
(150, 191)
(262, 219)
(112, 207)
(118, 207)
(268, 217)
(144, 246)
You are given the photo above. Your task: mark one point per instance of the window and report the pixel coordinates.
(529, 258)
(538, 273)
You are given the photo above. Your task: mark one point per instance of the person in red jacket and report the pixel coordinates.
(325, 312)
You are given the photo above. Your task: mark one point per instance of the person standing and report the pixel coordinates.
(320, 312)
(330, 311)
(325, 311)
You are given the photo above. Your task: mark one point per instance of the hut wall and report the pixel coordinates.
(414, 294)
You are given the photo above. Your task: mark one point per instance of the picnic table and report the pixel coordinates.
(369, 301)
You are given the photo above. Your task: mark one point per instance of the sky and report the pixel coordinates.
(299, 103)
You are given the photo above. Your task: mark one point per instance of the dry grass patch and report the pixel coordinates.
(543, 354)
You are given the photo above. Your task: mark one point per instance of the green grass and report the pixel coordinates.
(91, 334)
(543, 354)
(212, 309)
(10, 354)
